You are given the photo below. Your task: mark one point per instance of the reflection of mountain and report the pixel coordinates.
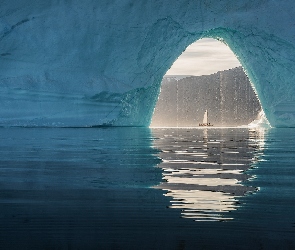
(228, 96)
(204, 170)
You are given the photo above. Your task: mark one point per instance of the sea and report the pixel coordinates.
(147, 188)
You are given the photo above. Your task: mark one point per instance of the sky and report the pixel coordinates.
(204, 57)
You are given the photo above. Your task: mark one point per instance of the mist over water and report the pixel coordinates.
(121, 188)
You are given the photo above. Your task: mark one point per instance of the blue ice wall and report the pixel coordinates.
(85, 63)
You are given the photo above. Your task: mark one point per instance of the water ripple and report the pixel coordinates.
(204, 172)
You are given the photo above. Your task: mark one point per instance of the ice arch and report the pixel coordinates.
(82, 63)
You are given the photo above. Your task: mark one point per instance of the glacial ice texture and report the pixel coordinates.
(227, 96)
(86, 63)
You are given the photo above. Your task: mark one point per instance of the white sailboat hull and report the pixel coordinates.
(205, 121)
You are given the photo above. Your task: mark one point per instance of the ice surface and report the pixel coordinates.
(85, 63)
(227, 96)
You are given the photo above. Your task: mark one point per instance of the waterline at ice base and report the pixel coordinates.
(86, 63)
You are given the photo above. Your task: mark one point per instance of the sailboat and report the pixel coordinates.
(205, 121)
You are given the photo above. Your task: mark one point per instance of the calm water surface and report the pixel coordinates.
(139, 188)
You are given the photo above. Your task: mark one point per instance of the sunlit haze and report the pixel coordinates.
(204, 57)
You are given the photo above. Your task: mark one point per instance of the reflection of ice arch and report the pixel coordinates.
(107, 59)
(205, 170)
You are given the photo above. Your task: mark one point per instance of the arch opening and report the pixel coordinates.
(207, 76)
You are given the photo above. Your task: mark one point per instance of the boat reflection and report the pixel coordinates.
(205, 170)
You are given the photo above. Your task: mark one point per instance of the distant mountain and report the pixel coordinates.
(176, 77)
(227, 95)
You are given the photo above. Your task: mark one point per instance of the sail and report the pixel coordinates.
(205, 119)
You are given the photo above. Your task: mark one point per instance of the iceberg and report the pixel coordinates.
(88, 63)
(227, 96)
